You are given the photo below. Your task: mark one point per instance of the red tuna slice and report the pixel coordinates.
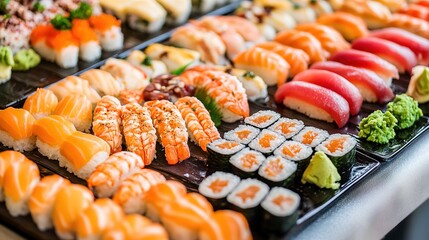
(370, 85)
(336, 83)
(314, 101)
(417, 44)
(368, 61)
(403, 58)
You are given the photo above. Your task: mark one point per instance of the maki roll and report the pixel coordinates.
(277, 171)
(217, 186)
(341, 149)
(242, 134)
(262, 119)
(296, 152)
(146, 16)
(247, 197)
(177, 11)
(267, 141)
(280, 210)
(311, 136)
(287, 127)
(220, 152)
(246, 162)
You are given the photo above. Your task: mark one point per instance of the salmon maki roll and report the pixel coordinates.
(41, 103)
(76, 109)
(16, 129)
(103, 214)
(105, 179)
(349, 25)
(132, 191)
(304, 41)
(74, 85)
(51, 132)
(171, 129)
(200, 126)
(412, 24)
(108, 30)
(69, 203)
(226, 224)
(18, 183)
(139, 132)
(7, 158)
(271, 67)
(81, 153)
(107, 122)
(128, 76)
(41, 203)
(103, 82)
(89, 46)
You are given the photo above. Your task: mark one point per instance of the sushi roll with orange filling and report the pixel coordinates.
(226, 224)
(277, 171)
(311, 136)
(242, 134)
(76, 109)
(16, 129)
(220, 151)
(89, 46)
(42, 103)
(267, 141)
(7, 158)
(217, 186)
(262, 119)
(287, 127)
(108, 30)
(246, 162)
(297, 153)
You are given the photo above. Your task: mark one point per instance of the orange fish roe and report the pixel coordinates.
(279, 200)
(82, 31)
(243, 134)
(61, 39)
(248, 193)
(274, 168)
(336, 144)
(262, 119)
(249, 160)
(41, 32)
(285, 127)
(291, 150)
(308, 137)
(227, 145)
(265, 141)
(218, 185)
(104, 22)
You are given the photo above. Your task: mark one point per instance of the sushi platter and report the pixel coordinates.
(230, 115)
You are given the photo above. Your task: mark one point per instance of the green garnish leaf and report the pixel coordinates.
(180, 70)
(3, 6)
(61, 23)
(147, 61)
(84, 11)
(210, 105)
(38, 7)
(249, 74)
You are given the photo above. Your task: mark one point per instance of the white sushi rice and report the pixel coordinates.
(44, 51)
(215, 147)
(321, 135)
(249, 202)
(90, 51)
(292, 130)
(178, 232)
(67, 57)
(286, 208)
(233, 136)
(308, 109)
(47, 150)
(272, 117)
(43, 221)
(349, 144)
(86, 170)
(80, 125)
(232, 182)
(256, 144)
(21, 145)
(287, 169)
(304, 152)
(239, 160)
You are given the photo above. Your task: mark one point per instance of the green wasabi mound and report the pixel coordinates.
(378, 127)
(406, 110)
(321, 172)
(6, 63)
(25, 59)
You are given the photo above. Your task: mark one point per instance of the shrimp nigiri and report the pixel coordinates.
(103, 82)
(74, 85)
(8, 158)
(89, 46)
(16, 129)
(42, 103)
(76, 109)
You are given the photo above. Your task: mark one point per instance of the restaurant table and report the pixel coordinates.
(374, 207)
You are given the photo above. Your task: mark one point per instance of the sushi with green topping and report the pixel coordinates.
(267, 141)
(296, 152)
(287, 127)
(246, 162)
(242, 134)
(311, 136)
(217, 186)
(219, 153)
(262, 119)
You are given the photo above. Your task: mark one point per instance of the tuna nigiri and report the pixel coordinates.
(89, 47)
(76, 109)
(370, 85)
(108, 30)
(349, 25)
(41, 103)
(226, 224)
(314, 101)
(103, 82)
(7, 158)
(367, 61)
(16, 129)
(128, 76)
(74, 85)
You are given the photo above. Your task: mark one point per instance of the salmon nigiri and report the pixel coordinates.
(412, 24)
(89, 47)
(244, 27)
(76, 109)
(372, 12)
(7, 158)
(349, 25)
(103, 82)
(41, 203)
(16, 129)
(42, 103)
(226, 224)
(270, 66)
(108, 30)
(74, 85)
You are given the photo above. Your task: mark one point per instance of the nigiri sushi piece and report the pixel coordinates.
(416, 87)
(394, 5)
(321, 7)
(151, 67)
(416, 10)
(135, 226)
(417, 44)
(41, 103)
(69, 203)
(370, 85)
(139, 132)
(244, 27)
(412, 24)
(131, 96)
(116, 7)
(38, 40)
(273, 69)
(146, 16)
(108, 30)
(402, 57)
(132, 191)
(16, 129)
(74, 85)
(129, 76)
(174, 58)
(226, 224)
(424, 3)
(336, 83)
(178, 11)
(41, 203)
(76, 109)
(298, 60)
(375, 14)
(304, 41)
(89, 46)
(314, 101)
(200, 126)
(303, 14)
(206, 42)
(81, 153)
(349, 25)
(107, 122)
(7, 158)
(103, 214)
(203, 5)
(51, 132)
(103, 82)
(332, 41)
(171, 129)
(367, 61)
